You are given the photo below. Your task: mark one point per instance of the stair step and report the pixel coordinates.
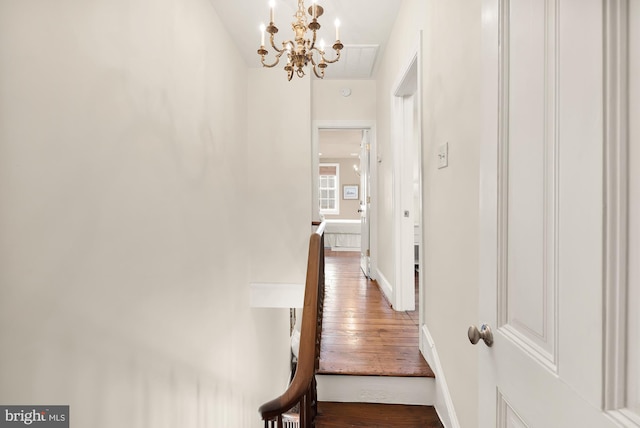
(331, 414)
(377, 389)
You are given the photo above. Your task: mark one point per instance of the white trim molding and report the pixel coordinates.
(507, 416)
(443, 403)
(616, 202)
(416, 391)
(406, 109)
(384, 285)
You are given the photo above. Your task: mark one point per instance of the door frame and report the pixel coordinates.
(407, 85)
(617, 179)
(365, 202)
(488, 193)
(369, 125)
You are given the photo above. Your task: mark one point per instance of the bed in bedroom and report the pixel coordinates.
(342, 235)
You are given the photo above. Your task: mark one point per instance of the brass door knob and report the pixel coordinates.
(484, 333)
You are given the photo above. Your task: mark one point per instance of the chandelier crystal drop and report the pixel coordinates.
(300, 51)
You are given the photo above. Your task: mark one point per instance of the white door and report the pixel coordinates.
(406, 213)
(365, 202)
(630, 407)
(541, 236)
(407, 155)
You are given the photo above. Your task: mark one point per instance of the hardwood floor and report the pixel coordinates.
(376, 416)
(361, 333)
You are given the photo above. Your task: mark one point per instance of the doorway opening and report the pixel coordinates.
(407, 150)
(342, 186)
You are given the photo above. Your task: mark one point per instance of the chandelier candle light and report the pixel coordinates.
(301, 51)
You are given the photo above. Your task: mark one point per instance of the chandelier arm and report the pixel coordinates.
(315, 71)
(310, 55)
(273, 44)
(331, 61)
(275, 62)
(322, 64)
(321, 54)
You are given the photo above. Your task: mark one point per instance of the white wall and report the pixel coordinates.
(124, 196)
(279, 162)
(328, 104)
(451, 70)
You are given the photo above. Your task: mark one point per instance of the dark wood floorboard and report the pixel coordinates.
(376, 416)
(361, 333)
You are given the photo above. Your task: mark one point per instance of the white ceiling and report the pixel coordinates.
(364, 30)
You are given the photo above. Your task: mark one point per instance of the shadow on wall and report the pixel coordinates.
(108, 383)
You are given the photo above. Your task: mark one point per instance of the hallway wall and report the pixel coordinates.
(124, 203)
(328, 104)
(451, 72)
(279, 171)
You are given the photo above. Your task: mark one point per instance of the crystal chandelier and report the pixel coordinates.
(301, 51)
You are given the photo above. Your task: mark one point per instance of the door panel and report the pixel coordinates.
(507, 415)
(527, 171)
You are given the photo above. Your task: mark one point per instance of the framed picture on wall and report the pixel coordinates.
(350, 191)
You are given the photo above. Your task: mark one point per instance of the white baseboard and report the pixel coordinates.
(385, 286)
(443, 402)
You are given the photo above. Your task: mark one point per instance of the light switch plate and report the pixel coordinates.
(443, 155)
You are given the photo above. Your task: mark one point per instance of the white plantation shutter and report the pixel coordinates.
(328, 191)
